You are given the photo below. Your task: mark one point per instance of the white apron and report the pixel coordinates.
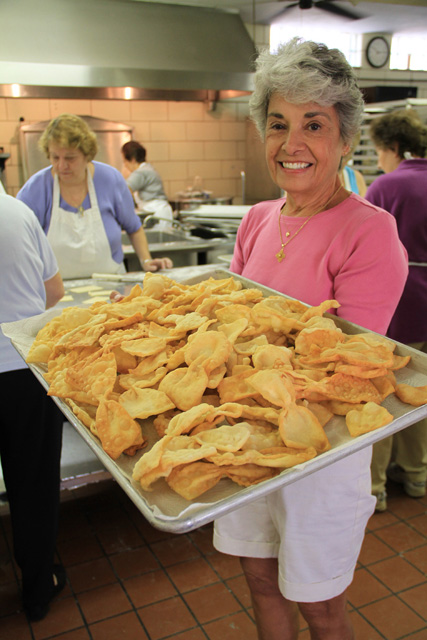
(158, 207)
(79, 241)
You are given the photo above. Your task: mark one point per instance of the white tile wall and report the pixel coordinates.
(183, 139)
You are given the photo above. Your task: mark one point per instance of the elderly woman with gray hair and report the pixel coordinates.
(299, 545)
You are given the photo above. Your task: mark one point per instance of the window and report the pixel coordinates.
(409, 52)
(349, 43)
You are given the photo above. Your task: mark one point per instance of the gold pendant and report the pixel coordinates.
(280, 255)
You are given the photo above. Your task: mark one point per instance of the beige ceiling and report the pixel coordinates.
(390, 16)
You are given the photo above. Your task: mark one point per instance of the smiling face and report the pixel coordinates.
(303, 148)
(68, 163)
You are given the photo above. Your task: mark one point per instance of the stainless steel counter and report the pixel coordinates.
(183, 248)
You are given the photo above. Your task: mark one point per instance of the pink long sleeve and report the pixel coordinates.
(351, 253)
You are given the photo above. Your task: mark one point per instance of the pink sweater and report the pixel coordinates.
(351, 253)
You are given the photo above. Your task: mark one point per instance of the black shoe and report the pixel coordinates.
(39, 611)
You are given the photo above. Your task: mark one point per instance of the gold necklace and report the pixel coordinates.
(281, 254)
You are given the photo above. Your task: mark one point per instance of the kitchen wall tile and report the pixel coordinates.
(14, 154)
(31, 109)
(168, 131)
(141, 131)
(78, 107)
(172, 170)
(232, 130)
(186, 110)
(203, 130)
(150, 110)
(206, 169)
(157, 151)
(243, 110)
(12, 176)
(223, 187)
(9, 133)
(232, 168)
(174, 186)
(223, 111)
(220, 150)
(186, 150)
(241, 150)
(3, 112)
(182, 139)
(118, 110)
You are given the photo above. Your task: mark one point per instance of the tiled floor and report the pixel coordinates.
(129, 581)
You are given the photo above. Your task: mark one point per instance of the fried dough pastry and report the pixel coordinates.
(299, 428)
(369, 417)
(193, 479)
(416, 396)
(239, 385)
(117, 430)
(143, 403)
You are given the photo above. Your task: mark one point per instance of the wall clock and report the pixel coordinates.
(377, 52)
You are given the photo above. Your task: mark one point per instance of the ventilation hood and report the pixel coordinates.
(122, 49)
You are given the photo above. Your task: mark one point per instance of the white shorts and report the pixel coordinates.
(314, 527)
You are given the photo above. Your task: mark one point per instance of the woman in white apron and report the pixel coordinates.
(83, 205)
(79, 240)
(146, 184)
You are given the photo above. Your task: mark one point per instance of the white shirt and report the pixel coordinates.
(26, 262)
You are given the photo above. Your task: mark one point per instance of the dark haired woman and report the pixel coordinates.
(400, 139)
(83, 205)
(145, 183)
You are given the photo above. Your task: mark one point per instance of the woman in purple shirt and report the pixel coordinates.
(299, 544)
(83, 205)
(400, 139)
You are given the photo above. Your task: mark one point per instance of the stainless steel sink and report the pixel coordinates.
(182, 247)
(156, 236)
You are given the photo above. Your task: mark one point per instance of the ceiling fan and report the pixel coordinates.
(325, 5)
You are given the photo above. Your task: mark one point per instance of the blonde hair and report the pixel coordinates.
(70, 131)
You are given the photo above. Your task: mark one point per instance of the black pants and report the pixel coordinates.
(30, 451)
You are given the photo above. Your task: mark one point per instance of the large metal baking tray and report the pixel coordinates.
(166, 510)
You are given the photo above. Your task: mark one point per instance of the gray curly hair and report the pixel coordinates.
(303, 72)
